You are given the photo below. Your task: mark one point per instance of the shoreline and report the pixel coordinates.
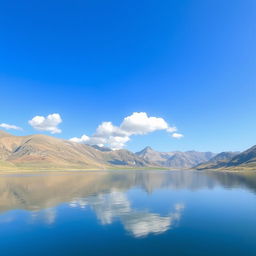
(70, 171)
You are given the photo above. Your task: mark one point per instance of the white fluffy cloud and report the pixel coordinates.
(177, 135)
(141, 123)
(115, 137)
(83, 139)
(49, 123)
(9, 126)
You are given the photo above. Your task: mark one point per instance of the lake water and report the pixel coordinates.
(128, 213)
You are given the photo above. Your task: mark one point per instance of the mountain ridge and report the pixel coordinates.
(245, 160)
(43, 152)
(219, 159)
(175, 159)
(46, 152)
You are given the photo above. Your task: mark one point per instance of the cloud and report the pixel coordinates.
(108, 129)
(177, 135)
(172, 129)
(141, 123)
(10, 126)
(49, 123)
(115, 137)
(117, 142)
(83, 139)
(139, 223)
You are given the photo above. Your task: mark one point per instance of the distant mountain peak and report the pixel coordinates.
(176, 159)
(148, 148)
(145, 151)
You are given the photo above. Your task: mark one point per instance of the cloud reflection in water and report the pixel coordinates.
(108, 207)
(48, 216)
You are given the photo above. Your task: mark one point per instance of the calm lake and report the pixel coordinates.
(131, 213)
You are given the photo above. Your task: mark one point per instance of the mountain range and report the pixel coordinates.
(41, 152)
(46, 152)
(176, 159)
(219, 159)
(232, 160)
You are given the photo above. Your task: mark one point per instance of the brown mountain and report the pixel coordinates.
(176, 159)
(220, 159)
(46, 152)
(242, 161)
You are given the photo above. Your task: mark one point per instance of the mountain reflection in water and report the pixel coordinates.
(106, 194)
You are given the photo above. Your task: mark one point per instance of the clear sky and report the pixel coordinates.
(191, 63)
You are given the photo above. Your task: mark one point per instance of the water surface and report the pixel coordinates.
(128, 213)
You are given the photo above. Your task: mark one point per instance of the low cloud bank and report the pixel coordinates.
(115, 137)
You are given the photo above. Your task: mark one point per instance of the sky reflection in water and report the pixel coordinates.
(178, 208)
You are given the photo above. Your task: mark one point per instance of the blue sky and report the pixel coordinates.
(191, 63)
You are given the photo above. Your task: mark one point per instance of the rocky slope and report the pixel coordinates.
(242, 161)
(176, 159)
(220, 159)
(46, 152)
